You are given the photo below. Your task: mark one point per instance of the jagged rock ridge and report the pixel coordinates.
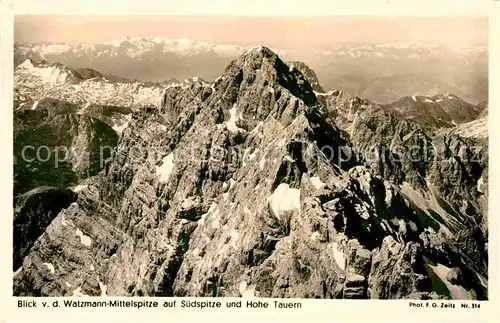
(229, 190)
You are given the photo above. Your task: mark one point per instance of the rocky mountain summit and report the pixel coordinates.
(260, 184)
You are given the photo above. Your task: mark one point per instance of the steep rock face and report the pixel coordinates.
(393, 256)
(343, 108)
(401, 151)
(72, 252)
(387, 143)
(442, 175)
(56, 146)
(309, 74)
(33, 212)
(229, 190)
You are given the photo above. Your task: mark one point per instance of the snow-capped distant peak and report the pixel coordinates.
(114, 43)
(257, 48)
(39, 80)
(57, 48)
(45, 73)
(137, 46)
(27, 64)
(407, 45)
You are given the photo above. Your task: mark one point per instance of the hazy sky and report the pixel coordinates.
(284, 32)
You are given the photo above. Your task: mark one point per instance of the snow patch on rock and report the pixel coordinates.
(388, 194)
(103, 288)
(456, 292)
(78, 292)
(284, 199)
(26, 64)
(120, 128)
(50, 267)
(253, 155)
(17, 272)
(246, 291)
(234, 237)
(413, 226)
(213, 211)
(483, 281)
(165, 169)
(55, 49)
(196, 252)
(257, 48)
(51, 75)
(480, 185)
(316, 236)
(78, 188)
(339, 256)
(235, 116)
(317, 182)
(85, 240)
(243, 286)
(262, 163)
(63, 221)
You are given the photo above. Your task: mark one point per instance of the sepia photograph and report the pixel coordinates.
(281, 157)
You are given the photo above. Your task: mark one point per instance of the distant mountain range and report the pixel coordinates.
(382, 73)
